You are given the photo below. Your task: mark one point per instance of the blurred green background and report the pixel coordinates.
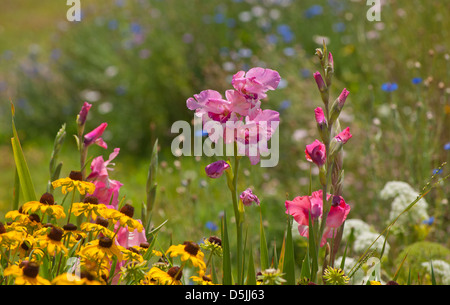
(137, 61)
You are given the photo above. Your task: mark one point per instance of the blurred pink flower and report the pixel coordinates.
(256, 82)
(302, 206)
(216, 169)
(106, 190)
(315, 152)
(344, 136)
(247, 197)
(95, 136)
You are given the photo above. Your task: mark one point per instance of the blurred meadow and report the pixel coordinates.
(137, 61)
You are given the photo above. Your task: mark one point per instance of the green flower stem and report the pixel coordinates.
(70, 208)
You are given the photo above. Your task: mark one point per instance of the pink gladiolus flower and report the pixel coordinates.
(302, 206)
(320, 117)
(95, 136)
(128, 239)
(253, 136)
(343, 97)
(216, 169)
(106, 190)
(344, 136)
(319, 81)
(316, 153)
(209, 105)
(247, 197)
(83, 113)
(254, 83)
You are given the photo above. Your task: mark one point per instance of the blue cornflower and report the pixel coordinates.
(285, 31)
(285, 104)
(416, 80)
(429, 221)
(313, 11)
(201, 133)
(135, 28)
(437, 171)
(210, 225)
(447, 146)
(339, 27)
(389, 87)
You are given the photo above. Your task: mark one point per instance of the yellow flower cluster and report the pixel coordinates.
(58, 252)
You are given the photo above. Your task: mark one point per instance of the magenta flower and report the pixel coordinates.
(316, 153)
(95, 136)
(343, 97)
(320, 117)
(254, 83)
(81, 119)
(247, 197)
(320, 82)
(344, 136)
(302, 206)
(216, 169)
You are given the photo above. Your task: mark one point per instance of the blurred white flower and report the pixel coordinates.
(403, 195)
(441, 269)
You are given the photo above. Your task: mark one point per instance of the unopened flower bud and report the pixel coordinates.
(320, 82)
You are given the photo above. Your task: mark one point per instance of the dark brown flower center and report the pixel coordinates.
(175, 273)
(215, 240)
(144, 245)
(31, 269)
(25, 246)
(76, 175)
(91, 200)
(70, 227)
(2, 228)
(55, 234)
(105, 242)
(128, 210)
(87, 275)
(102, 221)
(47, 198)
(34, 217)
(191, 248)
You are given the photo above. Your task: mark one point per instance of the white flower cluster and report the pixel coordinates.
(364, 236)
(441, 269)
(403, 195)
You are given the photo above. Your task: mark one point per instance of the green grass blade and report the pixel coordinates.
(289, 261)
(226, 265)
(433, 278)
(399, 267)
(26, 184)
(251, 273)
(264, 252)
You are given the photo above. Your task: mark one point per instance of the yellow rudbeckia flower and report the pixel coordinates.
(160, 277)
(188, 251)
(28, 275)
(74, 181)
(103, 248)
(124, 217)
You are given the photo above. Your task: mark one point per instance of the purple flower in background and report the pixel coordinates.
(216, 169)
(247, 197)
(447, 146)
